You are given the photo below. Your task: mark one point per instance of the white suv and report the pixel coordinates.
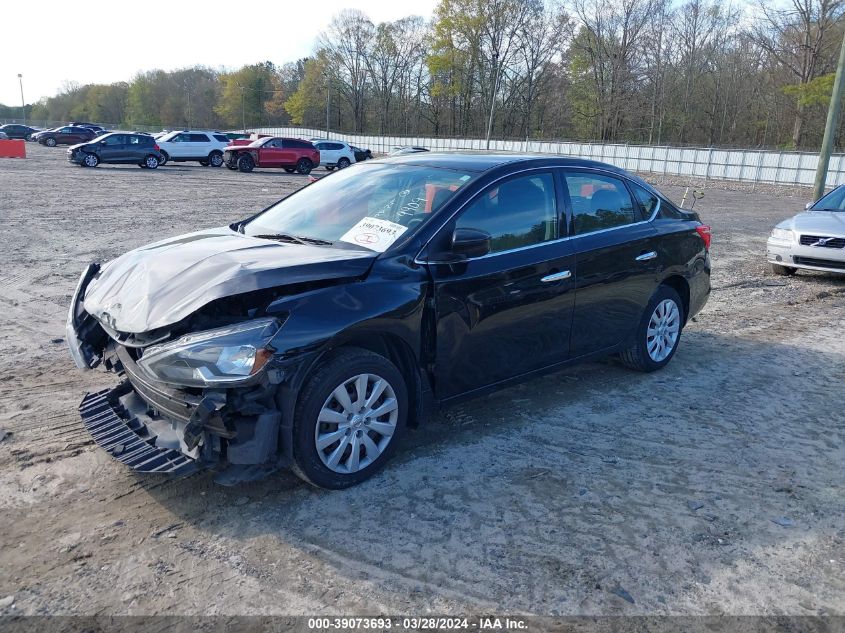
(187, 145)
(334, 153)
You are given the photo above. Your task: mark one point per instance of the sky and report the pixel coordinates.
(126, 37)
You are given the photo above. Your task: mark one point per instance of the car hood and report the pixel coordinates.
(818, 222)
(162, 283)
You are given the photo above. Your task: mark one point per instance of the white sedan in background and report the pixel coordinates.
(813, 240)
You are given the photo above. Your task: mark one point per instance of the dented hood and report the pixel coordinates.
(162, 283)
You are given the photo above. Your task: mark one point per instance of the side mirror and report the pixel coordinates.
(471, 243)
(808, 205)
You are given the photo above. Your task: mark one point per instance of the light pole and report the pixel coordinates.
(328, 101)
(830, 126)
(23, 103)
(243, 111)
(493, 100)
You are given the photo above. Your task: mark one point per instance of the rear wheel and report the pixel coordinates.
(50, 142)
(91, 160)
(349, 418)
(215, 159)
(343, 163)
(246, 164)
(658, 332)
(304, 166)
(787, 271)
(151, 162)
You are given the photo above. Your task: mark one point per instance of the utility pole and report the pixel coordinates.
(493, 100)
(23, 103)
(830, 126)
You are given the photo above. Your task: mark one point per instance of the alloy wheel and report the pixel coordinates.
(356, 423)
(151, 162)
(663, 330)
(91, 160)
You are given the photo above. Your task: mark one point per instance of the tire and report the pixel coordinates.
(164, 158)
(343, 163)
(204, 163)
(50, 142)
(215, 159)
(91, 160)
(246, 164)
(332, 465)
(290, 170)
(786, 271)
(665, 314)
(304, 166)
(329, 168)
(151, 162)
(232, 166)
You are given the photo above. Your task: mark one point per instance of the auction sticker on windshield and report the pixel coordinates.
(374, 233)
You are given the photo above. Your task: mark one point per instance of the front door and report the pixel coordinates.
(506, 313)
(112, 149)
(618, 260)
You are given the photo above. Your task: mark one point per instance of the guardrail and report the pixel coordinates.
(743, 165)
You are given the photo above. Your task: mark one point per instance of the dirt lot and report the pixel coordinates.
(714, 486)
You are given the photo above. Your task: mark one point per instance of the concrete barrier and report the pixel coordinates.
(13, 148)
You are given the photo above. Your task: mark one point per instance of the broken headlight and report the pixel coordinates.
(226, 355)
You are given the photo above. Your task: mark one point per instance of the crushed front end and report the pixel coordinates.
(175, 411)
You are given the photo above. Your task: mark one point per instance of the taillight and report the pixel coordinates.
(704, 231)
(156, 147)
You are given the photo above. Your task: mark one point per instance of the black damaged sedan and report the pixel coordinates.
(313, 334)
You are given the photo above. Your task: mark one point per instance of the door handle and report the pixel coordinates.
(644, 257)
(564, 274)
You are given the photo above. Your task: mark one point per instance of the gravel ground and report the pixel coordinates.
(712, 487)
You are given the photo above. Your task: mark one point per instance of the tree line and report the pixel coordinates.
(699, 72)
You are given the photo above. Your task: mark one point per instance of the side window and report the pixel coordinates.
(66, 130)
(648, 201)
(133, 140)
(321, 146)
(179, 138)
(222, 138)
(671, 211)
(599, 202)
(115, 139)
(198, 138)
(519, 212)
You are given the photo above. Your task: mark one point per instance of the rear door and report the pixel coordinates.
(137, 147)
(199, 146)
(617, 258)
(509, 312)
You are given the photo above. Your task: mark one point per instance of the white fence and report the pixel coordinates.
(755, 166)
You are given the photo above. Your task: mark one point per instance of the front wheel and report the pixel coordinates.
(658, 332)
(786, 271)
(91, 160)
(164, 158)
(304, 166)
(50, 142)
(246, 164)
(349, 418)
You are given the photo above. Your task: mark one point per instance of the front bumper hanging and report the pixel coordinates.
(122, 435)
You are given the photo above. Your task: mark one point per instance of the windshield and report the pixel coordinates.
(834, 201)
(368, 206)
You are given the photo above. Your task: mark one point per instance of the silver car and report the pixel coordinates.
(813, 240)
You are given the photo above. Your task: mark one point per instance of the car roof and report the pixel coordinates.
(486, 161)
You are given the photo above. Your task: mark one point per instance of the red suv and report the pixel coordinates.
(291, 154)
(65, 135)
